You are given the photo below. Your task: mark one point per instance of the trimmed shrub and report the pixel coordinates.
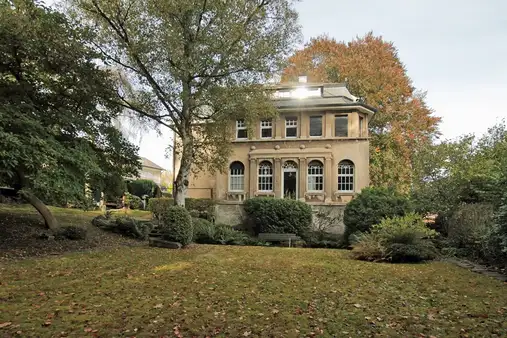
(159, 205)
(370, 207)
(204, 231)
(397, 239)
(273, 215)
(71, 232)
(202, 207)
(176, 225)
(144, 187)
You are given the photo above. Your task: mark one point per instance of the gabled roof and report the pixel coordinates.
(149, 164)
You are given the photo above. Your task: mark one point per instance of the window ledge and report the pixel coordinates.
(264, 193)
(295, 139)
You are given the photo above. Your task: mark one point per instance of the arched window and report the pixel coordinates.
(265, 177)
(236, 176)
(315, 176)
(346, 176)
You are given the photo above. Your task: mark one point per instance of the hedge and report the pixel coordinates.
(274, 215)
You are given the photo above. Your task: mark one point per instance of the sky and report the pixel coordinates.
(454, 50)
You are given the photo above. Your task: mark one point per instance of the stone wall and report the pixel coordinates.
(234, 214)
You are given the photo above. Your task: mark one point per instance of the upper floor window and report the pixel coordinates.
(346, 176)
(315, 125)
(341, 126)
(265, 177)
(315, 176)
(361, 126)
(266, 129)
(236, 176)
(291, 126)
(241, 131)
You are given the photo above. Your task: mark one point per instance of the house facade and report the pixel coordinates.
(316, 150)
(151, 171)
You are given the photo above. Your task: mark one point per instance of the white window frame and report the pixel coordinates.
(313, 172)
(237, 175)
(266, 124)
(264, 173)
(241, 125)
(348, 175)
(291, 122)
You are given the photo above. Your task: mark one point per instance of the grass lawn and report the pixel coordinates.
(20, 225)
(244, 292)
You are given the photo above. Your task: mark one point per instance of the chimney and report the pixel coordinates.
(303, 79)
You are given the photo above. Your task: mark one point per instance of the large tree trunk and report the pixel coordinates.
(181, 184)
(28, 196)
(49, 219)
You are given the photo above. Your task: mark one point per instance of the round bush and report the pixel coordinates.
(469, 224)
(176, 225)
(273, 215)
(370, 207)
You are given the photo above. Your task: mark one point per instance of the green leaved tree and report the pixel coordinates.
(56, 131)
(194, 66)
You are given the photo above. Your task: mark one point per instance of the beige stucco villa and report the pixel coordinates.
(316, 150)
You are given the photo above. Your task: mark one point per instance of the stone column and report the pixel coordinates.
(278, 125)
(328, 178)
(253, 178)
(302, 178)
(277, 177)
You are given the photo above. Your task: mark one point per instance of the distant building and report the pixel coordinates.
(151, 171)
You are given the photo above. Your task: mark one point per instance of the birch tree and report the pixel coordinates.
(194, 66)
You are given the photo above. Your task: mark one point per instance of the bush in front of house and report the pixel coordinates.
(397, 239)
(370, 207)
(206, 232)
(176, 225)
(71, 232)
(274, 215)
(157, 206)
(144, 187)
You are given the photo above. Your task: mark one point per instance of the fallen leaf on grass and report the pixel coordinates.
(158, 306)
(357, 305)
(2, 325)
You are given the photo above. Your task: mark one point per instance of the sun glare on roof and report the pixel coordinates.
(298, 93)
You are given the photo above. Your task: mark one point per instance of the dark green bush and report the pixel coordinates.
(176, 225)
(159, 205)
(71, 232)
(204, 231)
(397, 239)
(273, 215)
(370, 207)
(143, 187)
(317, 239)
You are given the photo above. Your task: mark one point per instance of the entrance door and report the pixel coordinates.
(290, 180)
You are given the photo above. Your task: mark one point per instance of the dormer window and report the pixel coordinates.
(291, 126)
(266, 129)
(241, 131)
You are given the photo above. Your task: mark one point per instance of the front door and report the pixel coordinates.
(290, 180)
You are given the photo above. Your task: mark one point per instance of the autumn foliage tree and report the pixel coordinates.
(373, 71)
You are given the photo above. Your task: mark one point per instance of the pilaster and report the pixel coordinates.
(253, 177)
(277, 177)
(302, 178)
(328, 178)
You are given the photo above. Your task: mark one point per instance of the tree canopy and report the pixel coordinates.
(373, 71)
(194, 66)
(56, 130)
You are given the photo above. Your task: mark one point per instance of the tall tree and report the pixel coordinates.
(194, 65)
(372, 70)
(56, 132)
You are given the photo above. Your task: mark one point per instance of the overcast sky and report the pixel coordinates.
(454, 50)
